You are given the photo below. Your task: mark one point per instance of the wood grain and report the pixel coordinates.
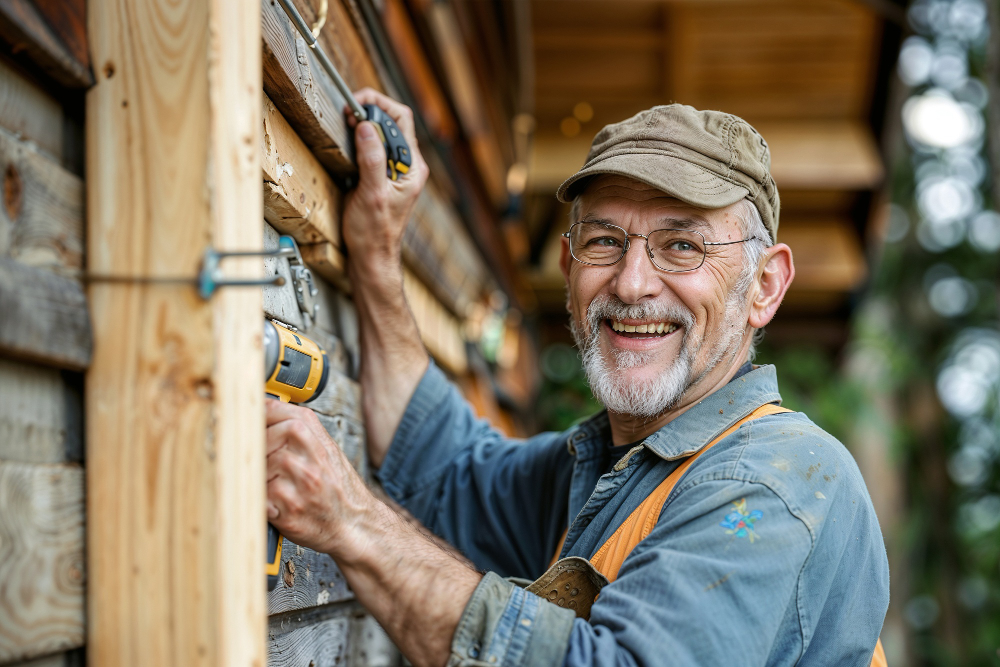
(41, 216)
(41, 415)
(303, 92)
(41, 559)
(300, 198)
(321, 645)
(175, 428)
(26, 29)
(306, 579)
(45, 317)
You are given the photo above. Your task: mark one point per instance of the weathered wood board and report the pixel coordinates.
(307, 579)
(300, 198)
(30, 113)
(297, 85)
(324, 644)
(45, 317)
(41, 219)
(41, 414)
(41, 559)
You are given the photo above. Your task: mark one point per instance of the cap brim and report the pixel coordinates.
(678, 178)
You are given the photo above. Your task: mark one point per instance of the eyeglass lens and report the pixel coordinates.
(670, 249)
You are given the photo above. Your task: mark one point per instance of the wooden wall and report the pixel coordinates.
(456, 270)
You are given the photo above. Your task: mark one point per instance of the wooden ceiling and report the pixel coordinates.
(805, 73)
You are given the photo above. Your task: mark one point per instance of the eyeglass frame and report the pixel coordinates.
(649, 253)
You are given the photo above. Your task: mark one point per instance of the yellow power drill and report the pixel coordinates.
(296, 370)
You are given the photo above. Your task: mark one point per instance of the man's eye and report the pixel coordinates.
(604, 242)
(681, 246)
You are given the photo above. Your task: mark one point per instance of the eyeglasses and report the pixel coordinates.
(674, 250)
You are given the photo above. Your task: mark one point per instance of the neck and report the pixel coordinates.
(627, 428)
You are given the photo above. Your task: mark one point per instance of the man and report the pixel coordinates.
(766, 550)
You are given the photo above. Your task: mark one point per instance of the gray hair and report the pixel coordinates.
(752, 227)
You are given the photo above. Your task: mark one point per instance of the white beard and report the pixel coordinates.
(608, 378)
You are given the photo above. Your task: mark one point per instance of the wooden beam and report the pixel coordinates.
(29, 112)
(300, 198)
(440, 331)
(24, 25)
(813, 155)
(322, 644)
(175, 427)
(41, 216)
(41, 559)
(41, 415)
(823, 155)
(827, 253)
(297, 85)
(45, 317)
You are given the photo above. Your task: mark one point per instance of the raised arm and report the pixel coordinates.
(375, 216)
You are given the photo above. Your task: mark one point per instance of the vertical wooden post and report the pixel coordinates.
(175, 430)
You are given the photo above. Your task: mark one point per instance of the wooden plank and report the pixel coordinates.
(320, 645)
(29, 112)
(303, 92)
(175, 425)
(440, 331)
(41, 219)
(41, 559)
(823, 155)
(41, 415)
(306, 579)
(28, 32)
(327, 261)
(300, 198)
(45, 317)
(828, 255)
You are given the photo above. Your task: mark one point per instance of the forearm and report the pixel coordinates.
(393, 358)
(415, 589)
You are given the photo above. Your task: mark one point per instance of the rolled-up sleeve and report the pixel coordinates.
(504, 625)
(500, 501)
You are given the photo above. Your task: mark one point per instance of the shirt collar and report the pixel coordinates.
(694, 429)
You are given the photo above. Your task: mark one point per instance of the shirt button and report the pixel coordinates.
(474, 652)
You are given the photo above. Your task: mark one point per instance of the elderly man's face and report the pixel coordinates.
(704, 318)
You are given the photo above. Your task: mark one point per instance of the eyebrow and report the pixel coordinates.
(695, 223)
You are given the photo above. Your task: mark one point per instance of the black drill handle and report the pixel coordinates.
(397, 151)
(273, 556)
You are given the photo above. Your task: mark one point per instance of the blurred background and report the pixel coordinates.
(883, 119)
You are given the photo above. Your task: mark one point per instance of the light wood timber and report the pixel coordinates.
(45, 317)
(300, 198)
(29, 112)
(41, 414)
(41, 559)
(440, 331)
(41, 216)
(175, 427)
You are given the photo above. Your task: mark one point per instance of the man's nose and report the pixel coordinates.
(637, 278)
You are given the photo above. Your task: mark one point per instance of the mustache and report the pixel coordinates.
(610, 307)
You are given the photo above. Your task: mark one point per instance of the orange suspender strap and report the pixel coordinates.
(609, 558)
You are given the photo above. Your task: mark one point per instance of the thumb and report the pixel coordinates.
(370, 154)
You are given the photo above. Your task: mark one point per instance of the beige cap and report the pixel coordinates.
(708, 159)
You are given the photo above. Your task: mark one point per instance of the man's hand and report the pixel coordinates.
(393, 358)
(376, 212)
(314, 496)
(415, 589)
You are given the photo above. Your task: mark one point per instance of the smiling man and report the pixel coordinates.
(717, 527)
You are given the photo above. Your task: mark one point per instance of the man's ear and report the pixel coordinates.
(775, 277)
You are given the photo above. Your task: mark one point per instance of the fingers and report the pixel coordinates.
(400, 113)
(370, 154)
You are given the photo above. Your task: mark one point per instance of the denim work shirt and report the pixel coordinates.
(767, 552)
